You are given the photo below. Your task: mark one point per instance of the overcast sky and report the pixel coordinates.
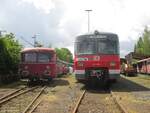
(58, 22)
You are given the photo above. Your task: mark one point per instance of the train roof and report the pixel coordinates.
(96, 33)
(37, 49)
(99, 33)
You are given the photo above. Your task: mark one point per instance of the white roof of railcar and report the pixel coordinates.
(38, 48)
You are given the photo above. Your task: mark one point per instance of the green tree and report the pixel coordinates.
(146, 41)
(9, 54)
(64, 54)
(140, 46)
(143, 44)
(135, 48)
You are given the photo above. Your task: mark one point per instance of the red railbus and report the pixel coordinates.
(97, 57)
(40, 63)
(143, 66)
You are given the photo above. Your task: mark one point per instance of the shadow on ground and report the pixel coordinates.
(14, 85)
(97, 88)
(53, 83)
(124, 85)
(60, 82)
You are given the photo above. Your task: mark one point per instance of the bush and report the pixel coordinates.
(9, 54)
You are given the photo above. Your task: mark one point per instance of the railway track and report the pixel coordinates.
(122, 109)
(32, 106)
(104, 109)
(78, 103)
(12, 98)
(11, 93)
(14, 94)
(32, 102)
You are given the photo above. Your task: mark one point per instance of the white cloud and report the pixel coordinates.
(110, 15)
(60, 21)
(125, 17)
(44, 5)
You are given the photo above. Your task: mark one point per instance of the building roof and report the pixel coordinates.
(137, 56)
(146, 59)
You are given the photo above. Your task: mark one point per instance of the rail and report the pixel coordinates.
(123, 110)
(78, 103)
(27, 108)
(13, 95)
(119, 105)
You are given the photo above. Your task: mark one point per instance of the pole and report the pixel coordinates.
(34, 37)
(88, 11)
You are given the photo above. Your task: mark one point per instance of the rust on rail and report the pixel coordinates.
(79, 101)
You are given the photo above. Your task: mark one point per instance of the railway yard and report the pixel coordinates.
(66, 95)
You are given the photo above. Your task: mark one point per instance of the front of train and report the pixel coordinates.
(38, 63)
(97, 56)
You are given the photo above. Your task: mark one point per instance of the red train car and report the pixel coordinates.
(40, 63)
(97, 57)
(143, 66)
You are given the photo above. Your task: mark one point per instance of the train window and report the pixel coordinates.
(30, 57)
(93, 44)
(107, 46)
(85, 47)
(44, 57)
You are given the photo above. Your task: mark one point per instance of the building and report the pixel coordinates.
(133, 58)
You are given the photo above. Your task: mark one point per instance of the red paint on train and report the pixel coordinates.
(143, 66)
(40, 63)
(97, 56)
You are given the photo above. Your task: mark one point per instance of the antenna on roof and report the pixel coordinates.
(96, 32)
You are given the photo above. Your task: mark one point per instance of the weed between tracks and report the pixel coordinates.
(98, 101)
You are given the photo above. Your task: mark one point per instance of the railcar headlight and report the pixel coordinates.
(47, 72)
(112, 63)
(47, 67)
(96, 58)
(25, 67)
(82, 59)
(80, 64)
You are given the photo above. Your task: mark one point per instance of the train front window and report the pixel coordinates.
(85, 47)
(107, 46)
(44, 57)
(29, 57)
